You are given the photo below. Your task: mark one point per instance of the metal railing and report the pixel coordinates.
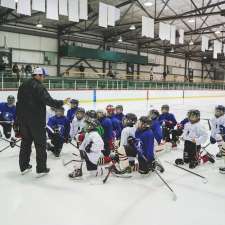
(106, 84)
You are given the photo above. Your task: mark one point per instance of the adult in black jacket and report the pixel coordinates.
(32, 99)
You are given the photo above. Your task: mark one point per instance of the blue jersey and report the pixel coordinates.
(106, 123)
(184, 121)
(145, 143)
(119, 116)
(168, 119)
(157, 130)
(7, 113)
(71, 113)
(62, 123)
(117, 126)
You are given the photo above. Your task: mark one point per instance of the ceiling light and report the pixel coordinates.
(132, 27)
(191, 42)
(205, 57)
(39, 24)
(148, 3)
(120, 39)
(172, 50)
(217, 32)
(191, 20)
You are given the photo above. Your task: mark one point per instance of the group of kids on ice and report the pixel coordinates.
(126, 143)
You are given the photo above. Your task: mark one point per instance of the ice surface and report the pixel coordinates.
(56, 200)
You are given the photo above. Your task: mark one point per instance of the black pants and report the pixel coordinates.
(191, 151)
(33, 132)
(90, 165)
(57, 142)
(7, 128)
(170, 135)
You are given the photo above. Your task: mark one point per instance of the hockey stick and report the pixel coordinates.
(167, 185)
(5, 148)
(107, 176)
(182, 168)
(7, 122)
(208, 120)
(11, 141)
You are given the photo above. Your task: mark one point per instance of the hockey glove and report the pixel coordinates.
(212, 140)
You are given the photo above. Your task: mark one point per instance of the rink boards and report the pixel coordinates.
(125, 95)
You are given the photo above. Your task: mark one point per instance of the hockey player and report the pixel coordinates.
(72, 111)
(7, 115)
(90, 149)
(58, 129)
(108, 136)
(156, 127)
(119, 113)
(194, 136)
(78, 123)
(168, 122)
(217, 124)
(91, 114)
(50, 112)
(117, 126)
(142, 146)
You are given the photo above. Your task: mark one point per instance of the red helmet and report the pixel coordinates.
(110, 109)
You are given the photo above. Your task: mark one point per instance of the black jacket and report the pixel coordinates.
(32, 99)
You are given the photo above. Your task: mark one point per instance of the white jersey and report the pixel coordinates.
(76, 127)
(215, 125)
(127, 132)
(96, 147)
(195, 132)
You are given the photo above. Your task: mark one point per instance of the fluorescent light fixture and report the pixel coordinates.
(148, 3)
(191, 42)
(217, 32)
(191, 20)
(120, 39)
(132, 27)
(39, 24)
(172, 50)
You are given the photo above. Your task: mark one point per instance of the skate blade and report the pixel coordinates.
(26, 171)
(39, 175)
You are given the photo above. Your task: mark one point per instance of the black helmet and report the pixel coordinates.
(10, 99)
(91, 114)
(219, 110)
(166, 107)
(196, 114)
(91, 124)
(153, 114)
(119, 107)
(74, 101)
(146, 122)
(129, 120)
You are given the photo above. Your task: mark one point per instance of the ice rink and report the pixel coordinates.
(56, 200)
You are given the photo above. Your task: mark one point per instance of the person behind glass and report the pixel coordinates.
(7, 115)
(58, 128)
(81, 69)
(30, 122)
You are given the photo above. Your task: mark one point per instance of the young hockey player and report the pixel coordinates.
(117, 126)
(78, 123)
(119, 113)
(50, 112)
(72, 111)
(7, 115)
(168, 122)
(156, 127)
(194, 136)
(90, 149)
(142, 146)
(217, 123)
(58, 129)
(108, 136)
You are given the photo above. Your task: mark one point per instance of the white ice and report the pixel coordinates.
(56, 200)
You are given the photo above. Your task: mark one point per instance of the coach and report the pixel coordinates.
(32, 99)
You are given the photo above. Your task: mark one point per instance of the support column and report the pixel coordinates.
(185, 67)
(104, 62)
(58, 54)
(202, 72)
(138, 65)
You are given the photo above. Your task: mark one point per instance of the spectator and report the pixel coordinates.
(16, 70)
(151, 74)
(81, 69)
(164, 75)
(23, 71)
(28, 70)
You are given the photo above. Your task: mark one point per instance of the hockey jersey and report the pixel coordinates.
(71, 113)
(216, 124)
(7, 113)
(145, 143)
(167, 118)
(157, 130)
(106, 123)
(127, 132)
(76, 127)
(195, 132)
(62, 124)
(94, 140)
(117, 126)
